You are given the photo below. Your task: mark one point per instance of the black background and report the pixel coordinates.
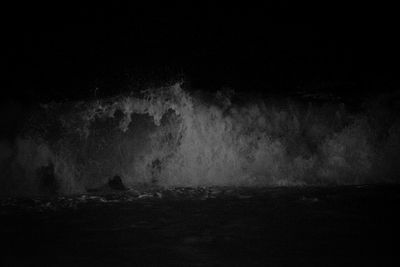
(66, 52)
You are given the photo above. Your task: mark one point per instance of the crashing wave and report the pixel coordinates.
(169, 137)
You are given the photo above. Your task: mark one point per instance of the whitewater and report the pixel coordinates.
(169, 136)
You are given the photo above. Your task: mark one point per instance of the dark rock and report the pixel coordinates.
(116, 183)
(48, 184)
(155, 171)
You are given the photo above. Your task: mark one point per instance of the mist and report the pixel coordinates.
(170, 136)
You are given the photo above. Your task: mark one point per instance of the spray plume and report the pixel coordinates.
(169, 137)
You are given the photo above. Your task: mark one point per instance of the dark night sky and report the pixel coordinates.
(66, 52)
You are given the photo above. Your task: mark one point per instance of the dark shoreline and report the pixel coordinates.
(280, 226)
